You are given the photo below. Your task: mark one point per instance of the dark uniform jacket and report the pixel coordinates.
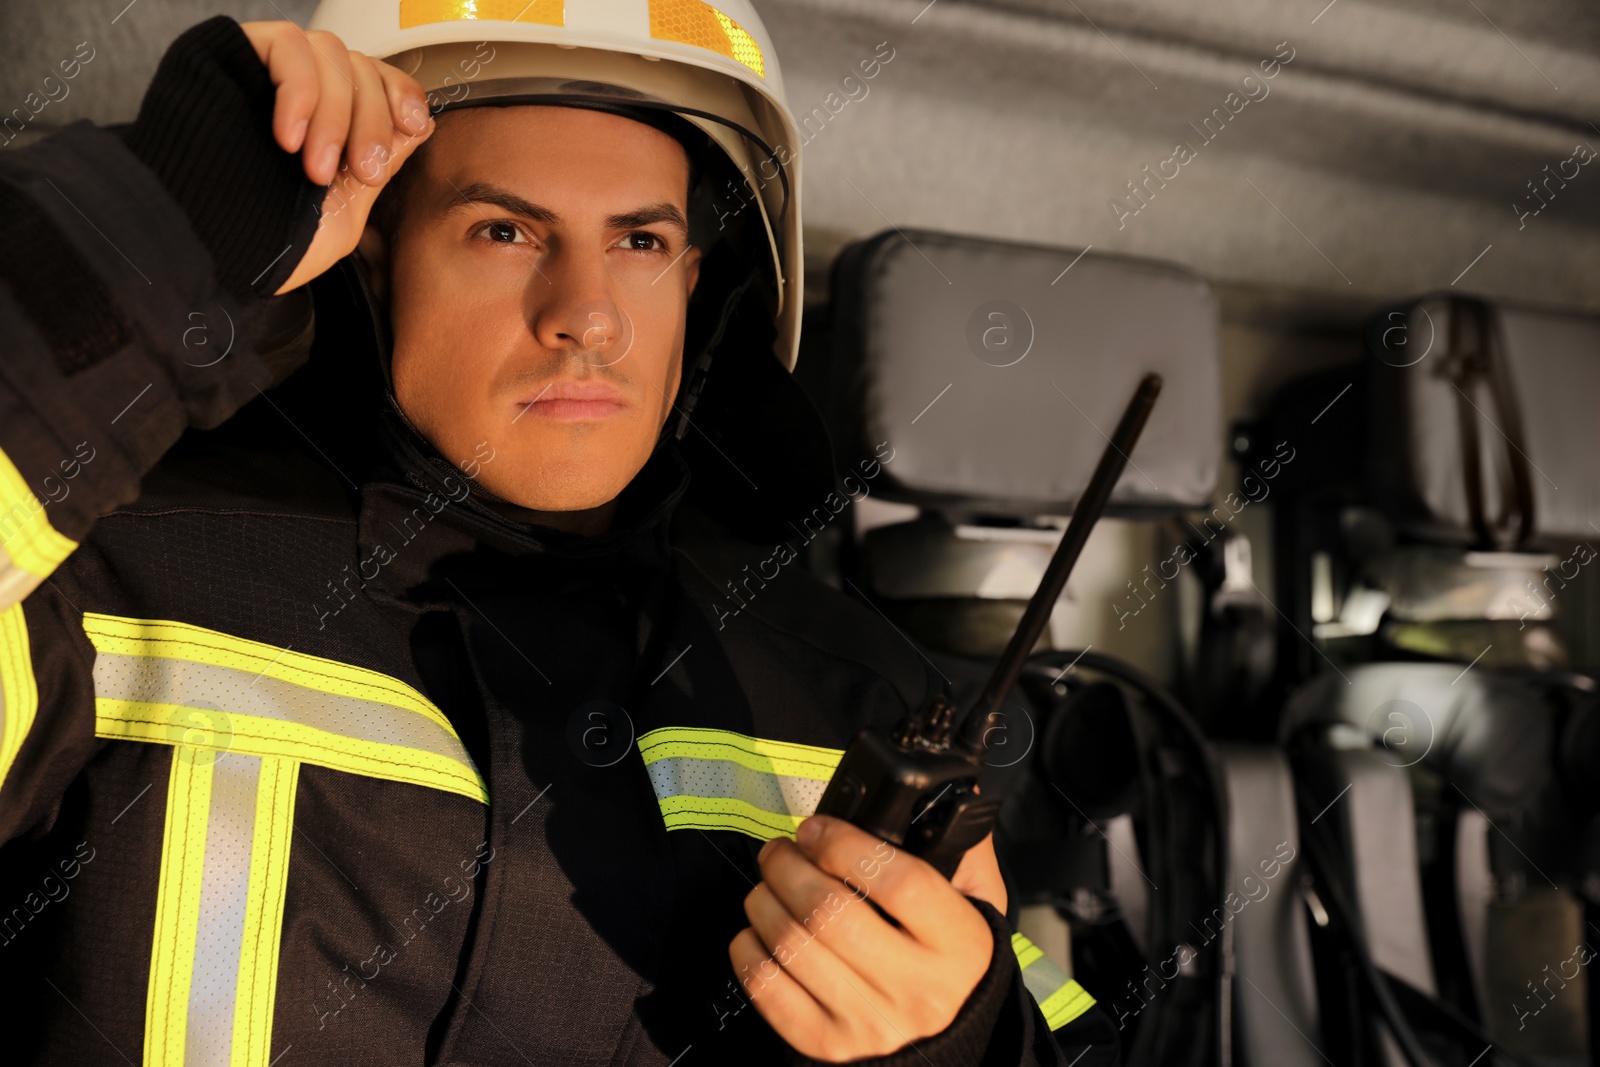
(310, 753)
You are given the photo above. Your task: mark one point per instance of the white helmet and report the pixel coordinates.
(714, 66)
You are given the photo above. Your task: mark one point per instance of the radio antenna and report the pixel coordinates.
(986, 714)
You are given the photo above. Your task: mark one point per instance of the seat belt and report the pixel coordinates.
(1441, 1017)
(1399, 1003)
(1476, 357)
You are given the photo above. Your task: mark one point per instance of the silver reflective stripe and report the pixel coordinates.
(1060, 999)
(692, 776)
(237, 692)
(224, 890)
(242, 718)
(1042, 978)
(219, 909)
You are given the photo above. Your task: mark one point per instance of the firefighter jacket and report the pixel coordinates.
(310, 753)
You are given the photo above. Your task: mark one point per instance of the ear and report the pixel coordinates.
(373, 248)
(691, 267)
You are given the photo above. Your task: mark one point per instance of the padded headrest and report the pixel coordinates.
(996, 370)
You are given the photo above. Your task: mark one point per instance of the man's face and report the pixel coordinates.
(538, 288)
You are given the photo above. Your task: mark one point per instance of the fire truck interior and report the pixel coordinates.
(1304, 770)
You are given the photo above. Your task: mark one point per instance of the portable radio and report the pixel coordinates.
(916, 784)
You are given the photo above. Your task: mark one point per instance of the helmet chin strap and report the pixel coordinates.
(695, 380)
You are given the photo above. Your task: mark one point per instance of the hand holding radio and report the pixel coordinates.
(856, 947)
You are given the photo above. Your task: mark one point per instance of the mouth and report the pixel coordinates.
(571, 402)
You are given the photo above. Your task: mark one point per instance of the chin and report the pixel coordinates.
(563, 479)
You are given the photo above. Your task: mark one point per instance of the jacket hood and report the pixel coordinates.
(754, 454)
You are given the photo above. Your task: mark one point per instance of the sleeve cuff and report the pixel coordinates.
(205, 130)
(967, 1041)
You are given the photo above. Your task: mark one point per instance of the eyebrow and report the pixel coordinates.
(487, 193)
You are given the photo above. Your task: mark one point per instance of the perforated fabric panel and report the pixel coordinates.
(235, 692)
(694, 777)
(224, 888)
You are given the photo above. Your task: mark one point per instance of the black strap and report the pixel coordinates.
(1476, 357)
(1441, 1017)
(694, 381)
(1402, 1007)
(1174, 751)
(1345, 922)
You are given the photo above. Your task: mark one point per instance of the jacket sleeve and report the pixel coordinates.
(1002, 1025)
(135, 303)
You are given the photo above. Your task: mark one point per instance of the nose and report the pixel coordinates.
(573, 308)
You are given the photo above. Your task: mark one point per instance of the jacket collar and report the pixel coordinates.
(424, 525)
(421, 520)
(750, 407)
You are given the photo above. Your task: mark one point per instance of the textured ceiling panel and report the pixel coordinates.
(1362, 168)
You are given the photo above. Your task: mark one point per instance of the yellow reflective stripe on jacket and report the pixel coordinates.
(721, 780)
(706, 779)
(242, 718)
(30, 548)
(19, 693)
(1060, 998)
(219, 909)
(174, 683)
(257, 987)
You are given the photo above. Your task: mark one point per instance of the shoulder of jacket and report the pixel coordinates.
(766, 586)
(247, 465)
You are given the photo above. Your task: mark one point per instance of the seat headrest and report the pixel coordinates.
(997, 370)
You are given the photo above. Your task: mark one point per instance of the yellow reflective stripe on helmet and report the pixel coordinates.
(1060, 998)
(224, 871)
(30, 543)
(706, 779)
(697, 23)
(423, 12)
(178, 684)
(19, 693)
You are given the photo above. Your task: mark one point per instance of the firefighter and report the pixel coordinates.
(384, 680)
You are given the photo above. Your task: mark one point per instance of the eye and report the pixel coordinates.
(644, 241)
(500, 233)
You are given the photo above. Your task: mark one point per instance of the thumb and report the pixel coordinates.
(978, 875)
